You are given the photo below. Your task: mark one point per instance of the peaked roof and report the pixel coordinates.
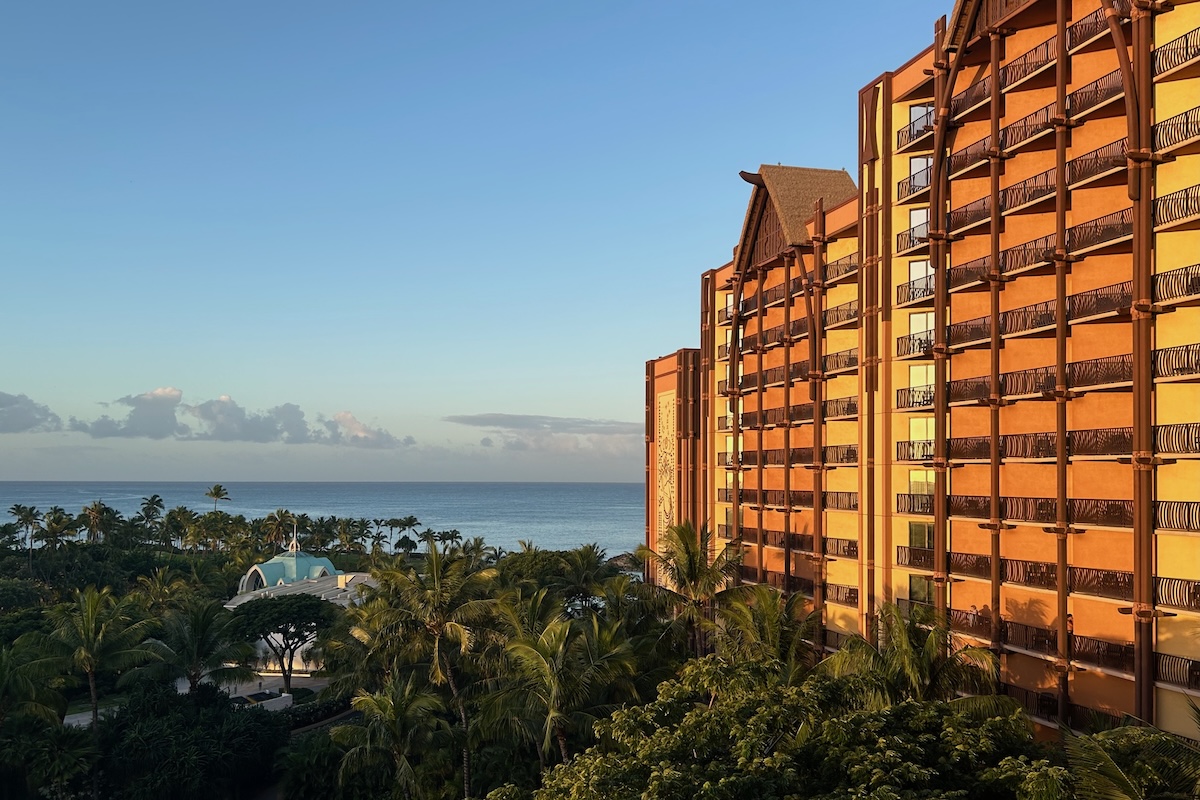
(962, 23)
(792, 193)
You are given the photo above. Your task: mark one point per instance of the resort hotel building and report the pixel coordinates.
(968, 378)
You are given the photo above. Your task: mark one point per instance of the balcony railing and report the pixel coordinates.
(1105, 300)
(845, 548)
(749, 535)
(969, 505)
(726, 459)
(1030, 445)
(972, 448)
(842, 267)
(1177, 283)
(1102, 159)
(1177, 593)
(1029, 190)
(841, 501)
(1041, 574)
(841, 454)
(1174, 362)
(722, 352)
(1028, 318)
(971, 623)
(1028, 255)
(840, 314)
(915, 129)
(1177, 670)
(1082, 718)
(844, 359)
(915, 344)
(967, 389)
(840, 407)
(915, 557)
(971, 213)
(1028, 381)
(1030, 509)
(1094, 24)
(800, 585)
(914, 504)
(1029, 62)
(914, 290)
(1178, 205)
(1100, 442)
(975, 564)
(916, 450)
(914, 397)
(1024, 129)
(969, 156)
(749, 573)
(913, 237)
(1177, 515)
(1098, 91)
(972, 96)
(1182, 437)
(1101, 582)
(724, 531)
(724, 314)
(917, 182)
(971, 330)
(1113, 226)
(842, 595)
(970, 272)
(1030, 637)
(1111, 655)
(1177, 129)
(1177, 52)
(802, 541)
(1100, 371)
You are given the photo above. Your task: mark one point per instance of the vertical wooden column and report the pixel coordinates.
(733, 393)
(816, 384)
(943, 89)
(789, 261)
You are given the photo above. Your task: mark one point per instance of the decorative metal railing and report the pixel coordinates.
(1100, 442)
(916, 557)
(916, 450)
(973, 95)
(1105, 300)
(799, 328)
(724, 314)
(773, 538)
(722, 352)
(1029, 62)
(1112, 226)
(914, 396)
(969, 156)
(1094, 24)
(1177, 205)
(1177, 283)
(975, 506)
(1028, 318)
(1102, 159)
(837, 315)
(991, 12)
(1177, 52)
(971, 330)
(842, 595)
(1027, 255)
(841, 501)
(799, 371)
(969, 272)
(841, 454)
(914, 344)
(1101, 582)
(802, 541)
(1177, 515)
(726, 459)
(835, 640)
(749, 573)
(1041, 574)
(1028, 381)
(1100, 371)
(913, 237)
(915, 129)
(1098, 91)
(1029, 445)
(917, 182)
(1083, 718)
(971, 623)
(1029, 509)
(1111, 655)
(725, 423)
(978, 565)
(1024, 129)
(967, 389)
(914, 290)
(844, 359)
(914, 504)
(1177, 670)
(1181, 437)
(724, 531)
(1177, 129)
(722, 387)
(802, 412)
(842, 267)
(1174, 362)
(800, 585)
(846, 548)
(975, 211)
(840, 407)
(1177, 593)
(971, 448)
(1031, 638)
(1027, 191)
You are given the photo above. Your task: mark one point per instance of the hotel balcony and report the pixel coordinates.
(919, 131)
(1179, 58)
(972, 214)
(915, 345)
(912, 240)
(1095, 25)
(839, 270)
(919, 450)
(914, 557)
(974, 97)
(966, 159)
(1177, 593)
(914, 186)
(842, 595)
(840, 362)
(915, 504)
(840, 408)
(841, 315)
(841, 548)
(1029, 64)
(1178, 210)
(914, 397)
(915, 291)
(1177, 671)
(1095, 96)
(1180, 133)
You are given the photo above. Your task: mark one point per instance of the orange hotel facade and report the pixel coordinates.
(970, 378)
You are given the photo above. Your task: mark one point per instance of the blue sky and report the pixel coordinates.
(385, 240)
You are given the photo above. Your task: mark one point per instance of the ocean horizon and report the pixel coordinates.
(553, 516)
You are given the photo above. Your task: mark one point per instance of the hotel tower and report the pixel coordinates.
(969, 378)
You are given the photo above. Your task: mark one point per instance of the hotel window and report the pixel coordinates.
(920, 589)
(920, 535)
(920, 375)
(920, 322)
(919, 269)
(920, 429)
(918, 112)
(917, 171)
(919, 217)
(920, 481)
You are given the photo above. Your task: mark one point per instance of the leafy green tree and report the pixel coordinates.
(692, 581)
(26, 684)
(1130, 763)
(93, 634)
(286, 625)
(202, 642)
(43, 758)
(766, 628)
(398, 724)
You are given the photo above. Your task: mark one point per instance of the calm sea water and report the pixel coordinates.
(552, 515)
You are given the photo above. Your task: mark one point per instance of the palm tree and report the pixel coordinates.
(1161, 766)
(692, 583)
(28, 517)
(161, 590)
(200, 643)
(397, 723)
(919, 660)
(178, 522)
(217, 492)
(764, 627)
(584, 570)
(438, 608)
(25, 685)
(151, 514)
(98, 520)
(277, 527)
(57, 526)
(95, 633)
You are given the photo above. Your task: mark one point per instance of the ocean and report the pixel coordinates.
(553, 516)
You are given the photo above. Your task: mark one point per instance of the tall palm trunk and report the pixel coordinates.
(466, 729)
(95, 702)
(561, 735)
